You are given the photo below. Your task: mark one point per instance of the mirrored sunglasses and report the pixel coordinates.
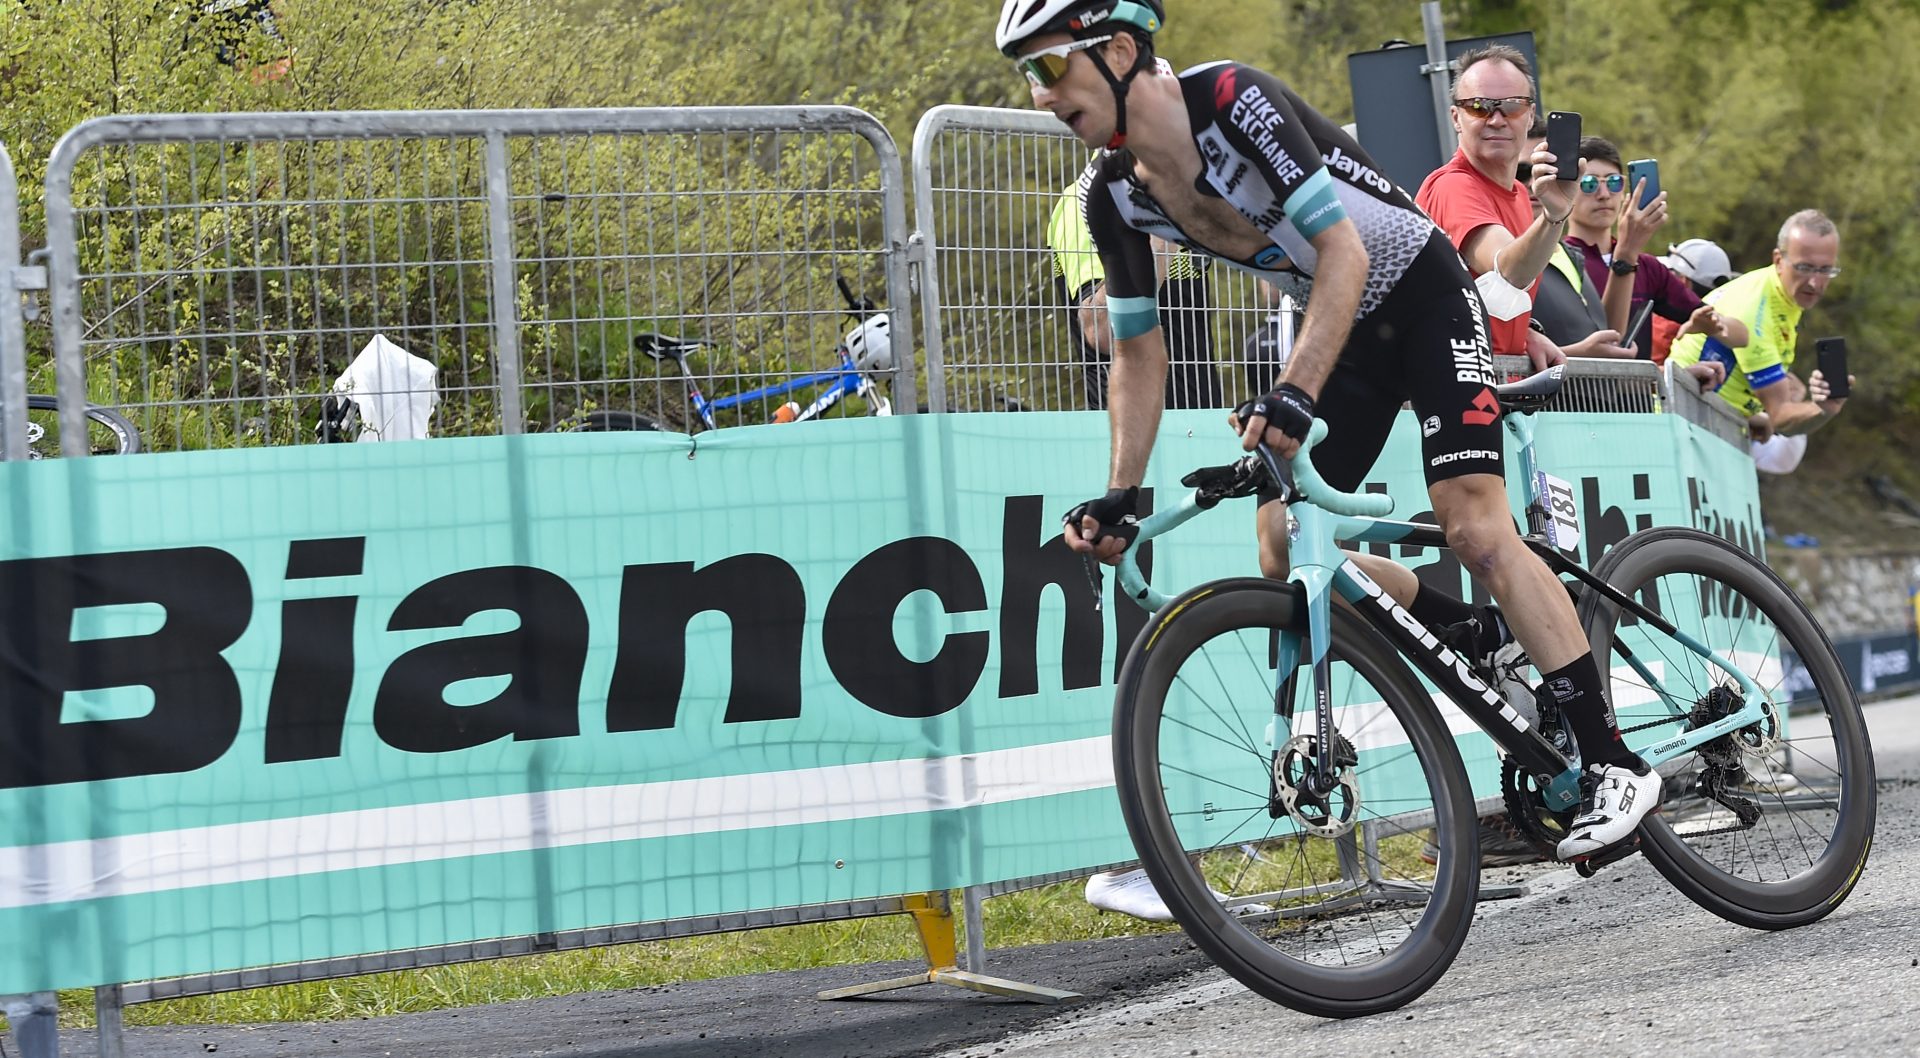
(1590, 183)
(1045, 68)
(1484, 107)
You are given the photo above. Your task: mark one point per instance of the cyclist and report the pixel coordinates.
(1226, 160)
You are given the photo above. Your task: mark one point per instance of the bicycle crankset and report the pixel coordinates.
(1527, 808)
(1297, 792)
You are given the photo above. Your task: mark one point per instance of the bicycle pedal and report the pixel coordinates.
(1592, 864)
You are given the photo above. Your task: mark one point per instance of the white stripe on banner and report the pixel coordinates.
(171, 860)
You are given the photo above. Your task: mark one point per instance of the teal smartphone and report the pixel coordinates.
(1650, 169)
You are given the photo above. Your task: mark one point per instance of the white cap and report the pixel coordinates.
(1702, 261)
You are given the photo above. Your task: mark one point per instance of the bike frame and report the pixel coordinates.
(1319, 519)
(845, 381)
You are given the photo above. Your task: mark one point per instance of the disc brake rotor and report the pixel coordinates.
(1331, 814)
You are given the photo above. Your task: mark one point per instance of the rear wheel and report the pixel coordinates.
(1337, 902)
(1770, 825)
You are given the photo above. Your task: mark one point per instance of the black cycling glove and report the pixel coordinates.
(1117, 512)
(1287, 409)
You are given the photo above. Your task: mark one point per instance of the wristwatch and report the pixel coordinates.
(1623, 268)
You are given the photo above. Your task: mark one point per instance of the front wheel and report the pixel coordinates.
(1340, 901)
(1768, 826)
(108, 431)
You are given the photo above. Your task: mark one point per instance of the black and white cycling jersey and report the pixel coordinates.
(1279, 163)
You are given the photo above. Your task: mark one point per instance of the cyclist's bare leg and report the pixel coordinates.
(1473, 511)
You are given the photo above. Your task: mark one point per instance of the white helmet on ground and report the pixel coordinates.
(1021, 19)
(871, 345)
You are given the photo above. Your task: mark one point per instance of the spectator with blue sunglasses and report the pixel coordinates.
(1628, 277)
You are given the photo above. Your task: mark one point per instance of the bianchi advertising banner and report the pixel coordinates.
(275, 705)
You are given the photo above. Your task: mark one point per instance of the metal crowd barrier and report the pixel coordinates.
(994, 316)
(13, 335)
(212, 275)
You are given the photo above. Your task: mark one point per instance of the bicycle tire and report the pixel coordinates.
(126, 436)
(1697, 843)
(606, 420)
(1251, 608)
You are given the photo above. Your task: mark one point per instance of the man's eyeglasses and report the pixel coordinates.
(1483, 107)
(1590, 183)
(1045, 68)
(1802, 268)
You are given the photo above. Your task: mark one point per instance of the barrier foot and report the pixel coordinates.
(35, 1020)
(933, 920)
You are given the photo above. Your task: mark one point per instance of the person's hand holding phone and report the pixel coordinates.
(1557, 165)
(1638, 223)
(1820, 392)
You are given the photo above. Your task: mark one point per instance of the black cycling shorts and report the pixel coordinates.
(1427, 343)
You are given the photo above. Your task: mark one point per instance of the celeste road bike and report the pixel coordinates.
(1301, 802)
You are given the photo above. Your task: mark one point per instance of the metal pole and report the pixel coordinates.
(13, 335)
(973, 902)
(36, 1023)
(1440, 77)
(107, 1014)
(506, 310)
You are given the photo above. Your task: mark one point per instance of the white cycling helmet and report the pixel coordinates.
(871, 345)
(1020, 19)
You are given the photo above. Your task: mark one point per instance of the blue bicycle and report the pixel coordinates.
(865, 352)
(1316, 835)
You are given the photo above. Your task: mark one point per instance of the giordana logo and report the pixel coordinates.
(1465, 453)
(1431, 426)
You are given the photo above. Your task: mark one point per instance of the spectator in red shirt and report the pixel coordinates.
(1477, 201)
(1629, 277)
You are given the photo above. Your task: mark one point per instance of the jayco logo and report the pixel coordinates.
(1342, 162)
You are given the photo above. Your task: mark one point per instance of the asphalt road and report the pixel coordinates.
(1562, 968)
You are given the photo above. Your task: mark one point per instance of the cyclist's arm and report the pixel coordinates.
(1136, 384)
(1338, 282)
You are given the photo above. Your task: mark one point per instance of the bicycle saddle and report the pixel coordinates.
(1532, 393)
(666, 347)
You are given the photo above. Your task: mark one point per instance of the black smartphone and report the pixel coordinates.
(1832, 355)
(1649, 169)
(1563, 139)
(1642, 349)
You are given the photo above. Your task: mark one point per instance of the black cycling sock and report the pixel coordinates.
(1436, 609)
(1575, 690)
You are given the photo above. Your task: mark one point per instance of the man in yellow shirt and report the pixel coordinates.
(1769, 301)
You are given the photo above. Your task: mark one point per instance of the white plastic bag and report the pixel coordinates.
(394, 390)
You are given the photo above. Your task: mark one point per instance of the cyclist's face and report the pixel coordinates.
(1815, 251)
(1080, 98)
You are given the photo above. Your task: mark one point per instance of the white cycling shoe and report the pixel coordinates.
(1620, 799)
(1132, 893)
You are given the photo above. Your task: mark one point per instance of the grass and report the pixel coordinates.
(1048, 914)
